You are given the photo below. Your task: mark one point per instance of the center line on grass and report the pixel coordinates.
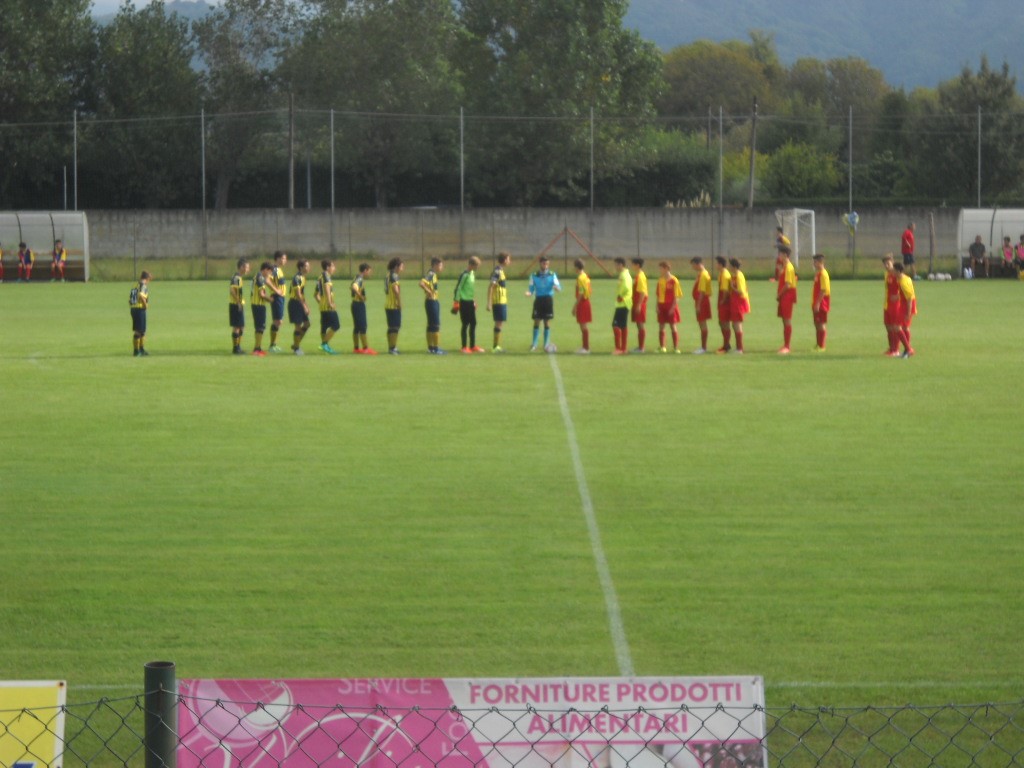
(611, 601)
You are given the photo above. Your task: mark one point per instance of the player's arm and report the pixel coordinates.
(558, 285)
(529, 287)
(425, 286)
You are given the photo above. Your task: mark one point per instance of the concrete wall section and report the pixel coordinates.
(416, 235)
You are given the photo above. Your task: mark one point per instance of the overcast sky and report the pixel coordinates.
(102, 7)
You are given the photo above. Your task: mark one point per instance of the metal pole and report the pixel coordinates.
(849, 161)
(333, 249)
(291, 151)
(753, 151)
(202, 145)
(591, 161)
(65, 187)
(979, 156)
(721, 186)
(462, 181)
(309, 180)
(74, 120)
(161, 714)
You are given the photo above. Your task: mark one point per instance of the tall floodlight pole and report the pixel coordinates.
(202, 160)
(591, 161)
(462, 180)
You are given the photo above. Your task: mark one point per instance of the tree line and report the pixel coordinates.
(483, 102)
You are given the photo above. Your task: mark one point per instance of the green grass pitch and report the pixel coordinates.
(844, 524)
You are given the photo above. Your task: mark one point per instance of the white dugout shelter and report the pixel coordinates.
(38, 230)
(993, 224)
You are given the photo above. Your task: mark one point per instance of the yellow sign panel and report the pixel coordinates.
(32, 723)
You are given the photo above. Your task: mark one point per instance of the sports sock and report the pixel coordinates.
(547, 335)
(273, 336)
(536, 335)
(661, 337)
(675, 340)
(739, 340)
(586, 339)
(704, 339)
(641, 337)
(787, 334)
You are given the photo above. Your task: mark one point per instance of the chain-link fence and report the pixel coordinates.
(112, 732)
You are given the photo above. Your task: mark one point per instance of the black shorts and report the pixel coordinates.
(329, 321)
(236, 316)
(259, 318)
(139, 320)
(908, 259)
(394, 320)
(297, 314)
(543, 308)
(621, 318)
(433, 308)
(499, 312)
(277, 307)
(358, 317)
(467, 312)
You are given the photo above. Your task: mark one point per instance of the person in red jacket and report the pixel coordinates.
(907, 250)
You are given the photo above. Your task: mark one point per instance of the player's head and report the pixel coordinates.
(1006, 240)
(898, 268)
(365, 269)
(266, 266)
(145, 277)
(620, 263)
(720, 261)
(280, 258)
(474, 262)
(779, 230)
(327, 265)
(302, 266)
(977, 238)
(505, 258)
(58, 244)
(887, 262)
(819, 260)
(638, 263)
(22, 246)
(545, 262)
(242, 265)
(784, 251)
(665, 267)
(395, 264)
(436, 263)
(579, 265)
(735, 263)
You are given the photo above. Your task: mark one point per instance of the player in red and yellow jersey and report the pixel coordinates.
(907, 310)
(668, 291)
(582, 310)
(785, 295)
(639, 310)
(739, 301)
(821, 301)
(60, 260)
(701, 301)
(724, 305)
(891, 309)
(781, 241)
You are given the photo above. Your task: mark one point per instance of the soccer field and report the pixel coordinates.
(845, 524)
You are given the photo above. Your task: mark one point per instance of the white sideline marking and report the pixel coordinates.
(865, 684)
(611, 601)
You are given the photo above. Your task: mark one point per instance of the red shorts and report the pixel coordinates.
(668, 313)
(703, 308)
(584, 312)
(724, 312)
(786, 303)
(738, 307)
(820, 317)
(639, 312)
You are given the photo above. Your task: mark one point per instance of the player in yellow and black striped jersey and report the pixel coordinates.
(497, 297)
(393, 302)
(359, 325)
(138, 301)
(432, 305)
(298, 309)
(260, 298)
(279, 291)
(236, 306)
(329, 321)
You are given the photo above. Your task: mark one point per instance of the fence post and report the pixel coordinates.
(161, 714)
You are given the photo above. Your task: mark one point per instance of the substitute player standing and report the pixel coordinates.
(701, 301)
(668, 293)
(821, 301)
(497, 298)
(278, 289)
(582, 310)
(785, 295)
(236, 305)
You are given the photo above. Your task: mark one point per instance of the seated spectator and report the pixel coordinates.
(1007, 256)
(978, 256)
(1018, 256)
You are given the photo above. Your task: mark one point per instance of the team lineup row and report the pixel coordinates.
(270, 290)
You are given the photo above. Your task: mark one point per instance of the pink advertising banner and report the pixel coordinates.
(679, 722)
